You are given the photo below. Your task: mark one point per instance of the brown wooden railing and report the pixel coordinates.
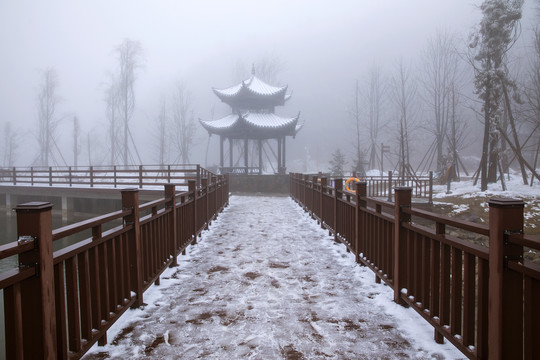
(483, 299)
(109, 176)
(57, 304)
(382, 186)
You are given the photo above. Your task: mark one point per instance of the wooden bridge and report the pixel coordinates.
(59, 303)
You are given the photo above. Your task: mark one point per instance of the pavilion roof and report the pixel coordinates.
(252, 125)
(253, 90)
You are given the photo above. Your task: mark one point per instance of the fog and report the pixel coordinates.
(322, 47)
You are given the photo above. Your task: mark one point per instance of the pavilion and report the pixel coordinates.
(252, 118)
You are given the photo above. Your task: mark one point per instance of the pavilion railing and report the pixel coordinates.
(240, 170)
(484, 300)
(57, 304)
(99, 176)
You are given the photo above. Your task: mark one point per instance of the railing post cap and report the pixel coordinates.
(34, 206)
(129, 190)
(506, 203)
(403, 188)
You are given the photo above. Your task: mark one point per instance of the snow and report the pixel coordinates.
(266, 282)
(514, 184)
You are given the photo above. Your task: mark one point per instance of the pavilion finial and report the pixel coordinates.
(253, 69)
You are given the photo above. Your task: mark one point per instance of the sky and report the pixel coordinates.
(323, 46)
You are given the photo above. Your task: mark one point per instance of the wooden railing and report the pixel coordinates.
(57, 304)
(484, 300)
(109, 176)
(382, 186)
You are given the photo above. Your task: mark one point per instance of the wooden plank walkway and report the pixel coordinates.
(265, 282)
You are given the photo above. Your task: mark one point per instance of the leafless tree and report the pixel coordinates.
(161, 134)
(403, 93)
(112, 114)
(440, 76)
(76, 139)
(375, 105)
(267, 68)
(183, 122)
(10, 145)
(47, 117)
(129, 54)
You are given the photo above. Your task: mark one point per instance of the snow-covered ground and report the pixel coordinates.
(266, 282)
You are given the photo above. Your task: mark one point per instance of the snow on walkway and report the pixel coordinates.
(266, 282)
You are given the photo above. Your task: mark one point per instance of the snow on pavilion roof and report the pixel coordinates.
(253, 89)
(253, 126)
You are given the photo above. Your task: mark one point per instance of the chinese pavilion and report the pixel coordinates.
(252, 117)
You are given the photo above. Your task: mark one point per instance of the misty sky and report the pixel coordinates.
(323, 46)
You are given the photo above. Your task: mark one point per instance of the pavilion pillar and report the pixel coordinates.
(246, 155)
(284, 162)
(279, 155)
(230, 152)
(221, 141)
(260, 156)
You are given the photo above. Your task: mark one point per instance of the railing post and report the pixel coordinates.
(430, 198)
(338, 188)
(192, 188)
(91, 176)
(114, 169)
(324, 183)
(140, 177)
(402, 200)
(130, 201)
(204, 188)
(313, 196)
(505, 310)
(14, 175)
(32, 175)
(38, 332)
(361, 203)
(70, 178)
(390, 186)
(170, 193)
(50, 175)
(227, 189)
(198, 175)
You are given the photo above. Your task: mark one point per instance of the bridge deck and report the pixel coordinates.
(267, 283)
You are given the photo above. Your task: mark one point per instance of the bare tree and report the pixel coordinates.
(76, 139)
(403, 94)
(359, 156)
(161, 134)
(129, 60)
(440, 70)
(183, 122)
(112, 114)
(47, 117)
(375, 105)
(497, 32)
(267, 68)
(10, 145)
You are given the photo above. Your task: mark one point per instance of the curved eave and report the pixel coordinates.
(252, 126)
(253, 89)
